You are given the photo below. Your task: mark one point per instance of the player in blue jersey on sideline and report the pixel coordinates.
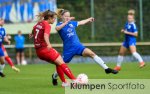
(130, 31)
(71, 43)
(2, 38)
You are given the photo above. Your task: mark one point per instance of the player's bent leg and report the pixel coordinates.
(120, 58)
(63, 68)
(67, 57)
(98, 60)
(88, 52)
(137, 56)
(60, 73)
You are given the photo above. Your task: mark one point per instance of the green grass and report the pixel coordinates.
(36, 79)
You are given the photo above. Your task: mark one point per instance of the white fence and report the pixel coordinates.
(30, 52)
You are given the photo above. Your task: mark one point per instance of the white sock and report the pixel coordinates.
(2, 67)
(100, 62)
(137, 56)
(55, 75)
(119, 60)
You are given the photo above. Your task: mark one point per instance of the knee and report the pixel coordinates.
(88, 52)
(92, 54)
(121, 53)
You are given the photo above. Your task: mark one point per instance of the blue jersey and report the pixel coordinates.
(2, 35)
(19, 41)
(68, 35)
(130, 27)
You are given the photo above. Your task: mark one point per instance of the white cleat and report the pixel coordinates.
(65, 84)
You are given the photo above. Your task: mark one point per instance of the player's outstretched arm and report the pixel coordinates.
(83, 22)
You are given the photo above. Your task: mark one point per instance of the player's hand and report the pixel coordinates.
(125, 32)
(9, 42)
(30, 36)
(8, 36)
(122, 30)
(91, 19)
(49, 47)
(71, 18)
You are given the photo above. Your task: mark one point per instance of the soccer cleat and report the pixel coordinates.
(65, 84)
(54, 81)
(142, 64)
(15, 69)
(2, 75)
(109, 70)
(118, 68)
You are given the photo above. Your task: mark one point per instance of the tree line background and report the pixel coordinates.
(110, 17)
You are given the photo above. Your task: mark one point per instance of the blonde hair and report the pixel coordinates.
(131, 12)
(45, 15)
(61, 12)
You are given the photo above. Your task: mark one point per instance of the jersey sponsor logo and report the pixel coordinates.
(39, 26)
(70, 25)
(69, 30)
(129, 26)
(70, 34)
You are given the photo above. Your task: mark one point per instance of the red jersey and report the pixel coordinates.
(38, 30)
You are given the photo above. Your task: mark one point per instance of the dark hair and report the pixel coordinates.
(61, 12)
(45, 15)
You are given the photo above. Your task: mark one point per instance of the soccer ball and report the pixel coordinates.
(24, 62)
(82, 78)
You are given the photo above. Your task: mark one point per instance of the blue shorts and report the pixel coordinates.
(1, 52)
(127, 44)
(70, 53)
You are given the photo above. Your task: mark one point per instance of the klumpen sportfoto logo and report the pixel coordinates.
(108, 86)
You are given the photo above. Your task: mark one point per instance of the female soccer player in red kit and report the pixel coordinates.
(44, 50)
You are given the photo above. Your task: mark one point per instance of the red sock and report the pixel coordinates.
(67, 71)
(60, 73)
(9, 61)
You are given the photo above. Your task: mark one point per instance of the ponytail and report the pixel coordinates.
(45, 15)
(60, 12)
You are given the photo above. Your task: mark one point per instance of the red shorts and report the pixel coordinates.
(47, 55)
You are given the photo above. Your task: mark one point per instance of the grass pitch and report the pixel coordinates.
(36, 79)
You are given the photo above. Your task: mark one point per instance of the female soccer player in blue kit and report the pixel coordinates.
(131, 33)
(2, 38)
(71, 43)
